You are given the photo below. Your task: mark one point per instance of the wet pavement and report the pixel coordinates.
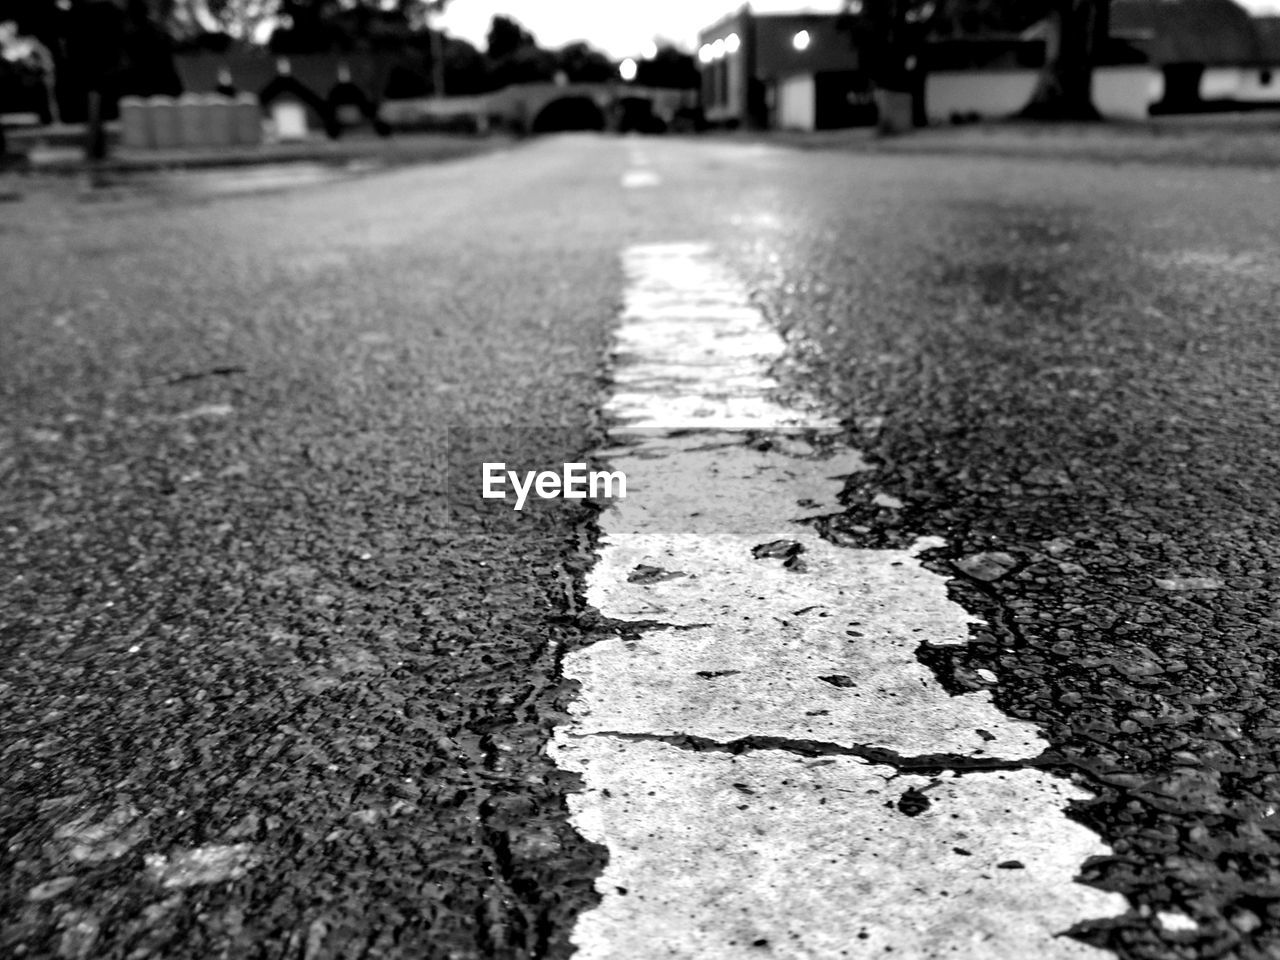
(266, 696)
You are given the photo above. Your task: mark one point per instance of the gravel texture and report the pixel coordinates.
(1071, 373)
(235, 607)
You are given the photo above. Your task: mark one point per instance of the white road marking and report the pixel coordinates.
(206, 410)
(201, 865)
(636, 179)
(762, 642)
(779, 657)
(51, 888)
(710, 854)
(1176, 922)
(86, 840)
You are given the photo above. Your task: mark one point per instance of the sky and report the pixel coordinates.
(622, 27)
(618, 27)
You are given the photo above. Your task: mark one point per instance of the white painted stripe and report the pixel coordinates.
(687, 320)
(636, 179)
(202, 865)
(715, 854)
(779, 655)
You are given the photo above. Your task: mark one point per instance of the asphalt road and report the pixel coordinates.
(254, 626)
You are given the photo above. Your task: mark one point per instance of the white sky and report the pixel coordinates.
(621, 27)
(618, 27)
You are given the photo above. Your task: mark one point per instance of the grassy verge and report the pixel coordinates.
(1251, 140)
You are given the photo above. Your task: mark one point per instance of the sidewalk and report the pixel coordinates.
(57, 152)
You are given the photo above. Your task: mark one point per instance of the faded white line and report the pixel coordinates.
(202, 865)
(718, 855)
(638, 179)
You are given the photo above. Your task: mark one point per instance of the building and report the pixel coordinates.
(1211, 54)
(787, 70)
(803, 70)
(991, 76)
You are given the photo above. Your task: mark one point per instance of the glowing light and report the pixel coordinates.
(649, 50)
(627, 69)
(704, 53)
(801, 40)
(732, 43)
(717, 49)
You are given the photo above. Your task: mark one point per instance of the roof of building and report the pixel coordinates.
(1208, 32)
(1269, 37)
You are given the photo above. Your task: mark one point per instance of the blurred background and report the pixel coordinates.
(164, 74)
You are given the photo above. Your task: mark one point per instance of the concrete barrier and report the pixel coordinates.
(135, 123)
(970, 94)
(248, 120)
(220, 121)
(165, 131)
(194, 120)
(191, 120)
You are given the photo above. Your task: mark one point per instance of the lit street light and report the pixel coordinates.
(627, 69)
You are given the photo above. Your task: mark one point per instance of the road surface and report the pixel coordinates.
(939, 619)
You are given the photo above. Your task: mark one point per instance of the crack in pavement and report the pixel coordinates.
(829, 818)
(916, 764)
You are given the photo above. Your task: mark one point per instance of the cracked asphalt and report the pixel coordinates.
(246, 609)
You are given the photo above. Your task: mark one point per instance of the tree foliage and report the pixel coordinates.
(110, 47)
(582, 63)
(507, 38)
(242, 20)
(126, 46)
(1078, 31)
(669, 67)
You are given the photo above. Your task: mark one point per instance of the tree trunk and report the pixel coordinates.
(95, 145)
(1079, 29)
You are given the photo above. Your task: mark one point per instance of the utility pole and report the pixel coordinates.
(95, 45)
(435, 7)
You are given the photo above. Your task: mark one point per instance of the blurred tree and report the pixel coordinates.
(526, 65)
(515, 57)
(466, 68)
(582, 63)
(242, 20)
(147, 66)
(26, 74)
(671, 67)
(93, 41)
(506, 38)
(307, 26)
(1077, 34)
(107, 48)
(402, 26)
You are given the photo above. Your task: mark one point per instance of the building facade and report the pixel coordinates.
(788, 70)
